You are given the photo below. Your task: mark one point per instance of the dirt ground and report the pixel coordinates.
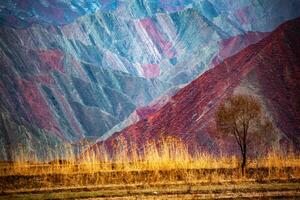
(262, 183)
(174, 191)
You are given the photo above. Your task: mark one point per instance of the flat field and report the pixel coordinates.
(158, 176)
(225, 190)
(218, 183)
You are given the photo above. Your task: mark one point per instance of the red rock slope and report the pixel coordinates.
(235, 44)
(269, 69)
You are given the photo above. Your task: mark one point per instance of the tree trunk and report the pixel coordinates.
(244, 162)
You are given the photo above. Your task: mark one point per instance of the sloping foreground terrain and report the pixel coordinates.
(269, 69)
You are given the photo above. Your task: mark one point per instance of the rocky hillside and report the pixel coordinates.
(75, 69)
(269, 69)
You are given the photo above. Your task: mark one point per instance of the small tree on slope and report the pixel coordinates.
(240, 116)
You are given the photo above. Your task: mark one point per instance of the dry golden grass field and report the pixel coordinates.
(167, 172)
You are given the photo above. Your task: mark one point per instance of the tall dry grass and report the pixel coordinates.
(155, 158)
(167, 154)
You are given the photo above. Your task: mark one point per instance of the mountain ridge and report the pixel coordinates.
(269, 69)
(66, 77)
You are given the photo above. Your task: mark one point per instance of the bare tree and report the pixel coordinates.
(240, 116)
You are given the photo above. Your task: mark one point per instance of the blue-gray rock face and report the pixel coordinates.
(76, 69)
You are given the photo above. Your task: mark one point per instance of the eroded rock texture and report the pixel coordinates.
(75, 69)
